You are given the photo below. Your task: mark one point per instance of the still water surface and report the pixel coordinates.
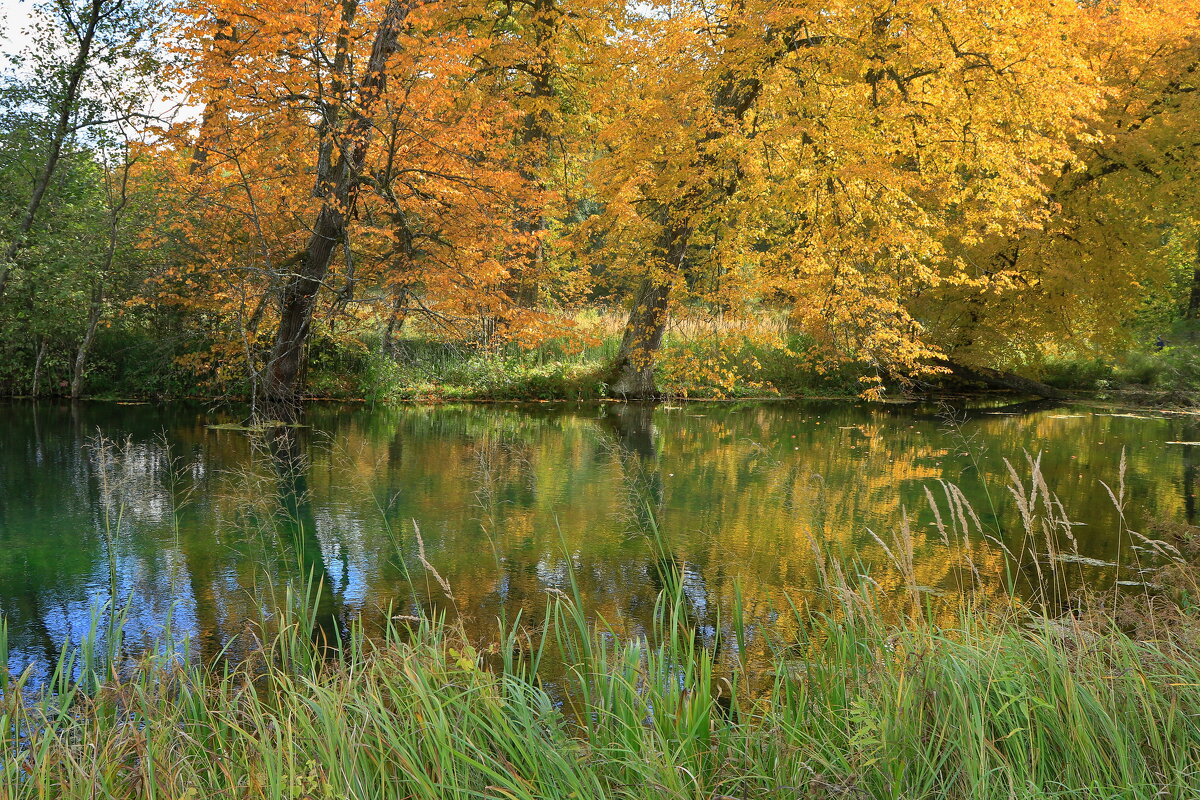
(200, 525)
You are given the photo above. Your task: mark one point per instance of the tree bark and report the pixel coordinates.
(284, 378)
(35, 390)
(633, 372)
(338, 184)
(395, 322)
(632, 375)
(62, 129)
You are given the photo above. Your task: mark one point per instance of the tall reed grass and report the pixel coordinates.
(877, 695)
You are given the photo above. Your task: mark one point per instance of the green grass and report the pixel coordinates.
(992, 705)
(695, 367)
(1172, 371)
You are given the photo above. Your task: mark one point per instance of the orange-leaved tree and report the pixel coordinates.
(345, 156)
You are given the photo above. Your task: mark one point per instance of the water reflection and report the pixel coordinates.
(203, 526)
(296, 520)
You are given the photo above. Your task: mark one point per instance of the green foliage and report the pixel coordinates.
(1082, 373)
(1173, 368)
(1176, 367)
(135, 361)
(47, 299)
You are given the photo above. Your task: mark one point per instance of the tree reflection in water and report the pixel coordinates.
(512, 500)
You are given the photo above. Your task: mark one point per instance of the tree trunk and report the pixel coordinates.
(62, 130)
(1003, 380)
(338, 184)
(633, 372)
(632, 375)
(283, 379)
(85, 346)
(395, 323)
(35, 390)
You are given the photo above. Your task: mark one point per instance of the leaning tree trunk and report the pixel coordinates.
(338, 184)
(395, 323)
(283, 378)
(995, 379)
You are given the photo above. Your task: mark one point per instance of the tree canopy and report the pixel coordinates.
(917, 187)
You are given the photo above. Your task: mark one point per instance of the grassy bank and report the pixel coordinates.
(876, 695)
(702, 357)
(986, 708)
(1162, 369)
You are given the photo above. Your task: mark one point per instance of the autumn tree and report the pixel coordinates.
(1077, 277)
(543, 57)
(831, 154)
(357, 155)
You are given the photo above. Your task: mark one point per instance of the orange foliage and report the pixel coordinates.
(434, 224)
(869, 165)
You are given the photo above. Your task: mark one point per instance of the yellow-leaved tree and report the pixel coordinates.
(1077, 278)
(843, 156)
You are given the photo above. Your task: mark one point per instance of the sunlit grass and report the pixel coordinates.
(704, 356)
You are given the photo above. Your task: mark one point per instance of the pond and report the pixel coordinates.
(481, 510)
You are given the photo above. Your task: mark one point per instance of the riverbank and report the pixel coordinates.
(700, 359)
